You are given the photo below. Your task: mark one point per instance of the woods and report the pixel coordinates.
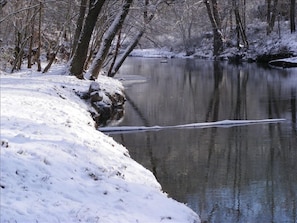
(97, 36)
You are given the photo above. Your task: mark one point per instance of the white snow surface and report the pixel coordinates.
(55, 167)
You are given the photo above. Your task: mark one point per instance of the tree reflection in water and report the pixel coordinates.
(238, 174)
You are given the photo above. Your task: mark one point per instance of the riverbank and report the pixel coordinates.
(262, 48)
(56, 167)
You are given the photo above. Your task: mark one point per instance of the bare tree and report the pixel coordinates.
(25, 22)
(148, 16)
(23, 33)
(213, 14)
(272, 12)
(104, 20)
(32, 53)
(2, 3)
(80, 55)
(186, 14)
(240, 28)
(79, 24)
(108, 37)
(39, 37)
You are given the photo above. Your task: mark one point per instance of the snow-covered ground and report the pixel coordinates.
(55, 167)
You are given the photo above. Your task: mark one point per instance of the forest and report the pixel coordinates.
(96, 36)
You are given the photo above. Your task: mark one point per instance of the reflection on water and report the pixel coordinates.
(237, 174)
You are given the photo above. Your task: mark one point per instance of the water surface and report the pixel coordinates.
(236, 174)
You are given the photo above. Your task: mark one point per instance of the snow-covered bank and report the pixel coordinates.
(55, 167)
(262, 47)
(153, 53)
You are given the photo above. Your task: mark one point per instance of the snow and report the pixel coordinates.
(217, 124)
(55, 167)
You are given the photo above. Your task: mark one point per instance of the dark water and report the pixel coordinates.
(236, 174)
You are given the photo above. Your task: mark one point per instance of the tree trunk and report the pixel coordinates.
(29, 65)
(79, 24)
(271, 15)
(239, 26)
(216, 15)
(17, 50)
(52, 59)
(274, 14)
(146, 20)
(244, 14)
(292, 16)
(107, 40)
(39, 39)
(128, 50)
(268, 15)
(30, 50)
(79, 57)
(118, 45)
(213, 15)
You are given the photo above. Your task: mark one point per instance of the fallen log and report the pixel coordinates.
(221, 124)
(284, 63)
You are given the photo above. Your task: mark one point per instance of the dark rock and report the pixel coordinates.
(101, 107)
(117, 99)
(106, 106)
(83, 95)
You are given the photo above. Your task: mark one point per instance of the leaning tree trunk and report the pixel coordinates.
(51, 59)
(107, 40)
(78, 60)
(118, 45)
(126, 53)
(147, 18)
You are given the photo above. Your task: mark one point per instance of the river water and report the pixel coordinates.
(236, 174)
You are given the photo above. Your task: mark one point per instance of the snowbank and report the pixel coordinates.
(55, 167)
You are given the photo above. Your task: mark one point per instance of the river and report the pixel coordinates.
(237, 174)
